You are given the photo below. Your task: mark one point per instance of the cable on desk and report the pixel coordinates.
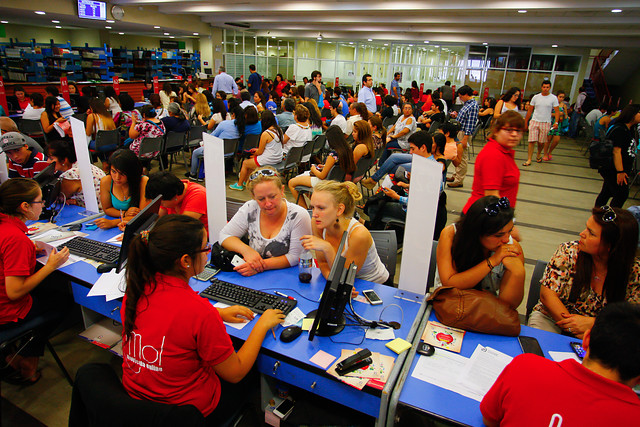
(289, 289)
(391, 305)
(349, 342)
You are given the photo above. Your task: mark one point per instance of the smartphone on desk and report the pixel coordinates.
(530, 345)
(284, 408)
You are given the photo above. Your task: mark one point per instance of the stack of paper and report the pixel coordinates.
(375, 375)
(112, 285)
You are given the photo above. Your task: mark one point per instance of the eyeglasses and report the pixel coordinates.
(42, 202)
(511, 130)
(263, 172)
(206, 249)
(609, 214)
(493, 209)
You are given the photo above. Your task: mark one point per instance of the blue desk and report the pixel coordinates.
(289, 362)
(447, 405)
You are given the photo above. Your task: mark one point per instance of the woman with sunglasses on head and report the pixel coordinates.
(273, 225)
(496, 172)
(585, 275)
(478, 252)
(21, 299)
(197, 365)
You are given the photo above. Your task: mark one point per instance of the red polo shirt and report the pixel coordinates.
(178, 338)
(495, 169)
(195, 200)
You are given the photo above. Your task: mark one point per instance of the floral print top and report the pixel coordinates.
(147, 129)
(558, 276)
(73, 174)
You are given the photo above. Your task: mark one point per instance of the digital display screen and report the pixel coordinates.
(89, 9)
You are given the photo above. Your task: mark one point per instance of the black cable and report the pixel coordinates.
(349, 342)
(289, 289)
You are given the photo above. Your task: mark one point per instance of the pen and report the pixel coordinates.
(121, 218)
(273, 331)
(284, 295)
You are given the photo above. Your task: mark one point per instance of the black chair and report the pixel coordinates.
(389, 121)
(363, 165)
(291, 162)
(230, 147)
(232, 208)
(32, 128)
(534, 287)
(318, 144)
(335, 174)
(387, 248)
(80, 116)
(44, 135)
(250, 142)
(307, 151)
(152, 145)
(431, 275)
(100, 400)
(173, 144)
(195, 137)
(107, 140)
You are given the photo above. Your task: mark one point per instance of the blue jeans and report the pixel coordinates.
(391, 164)
(386, 153)
(573, 124)
(197, 153)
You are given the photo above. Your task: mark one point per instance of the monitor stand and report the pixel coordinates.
(325, 330)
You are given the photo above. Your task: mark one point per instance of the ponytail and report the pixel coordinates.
(345, 193)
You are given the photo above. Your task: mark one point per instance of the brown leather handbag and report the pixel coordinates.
(474, 310)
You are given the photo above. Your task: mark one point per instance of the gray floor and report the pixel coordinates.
(554, 201)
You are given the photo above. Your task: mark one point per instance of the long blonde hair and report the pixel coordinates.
(345, 193)
(202, 106)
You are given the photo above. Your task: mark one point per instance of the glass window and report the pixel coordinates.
(534, 81)
(346, 52)
(261, 66)
(514, 79)
(306, 49)
(473, 78)
(542, 62)
(326, 50)
(272, 51)
(328, 70)
(567, 63)
(249, 45)
(494, 82)
(346, 70)
(519, 58)
(229, 41)
(305, 68)
(261, 50)
(477, 56)
(563, 83)
(432, 56)
(497, 56)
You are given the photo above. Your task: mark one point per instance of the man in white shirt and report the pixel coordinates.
(366, 95)
(596, 114)
(540, 109)
(338, 119)
(353, 117)
(225, 82)
(245, 96)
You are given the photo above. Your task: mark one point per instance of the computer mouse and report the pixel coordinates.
(105, 268)
(291, 333)
(75, 227)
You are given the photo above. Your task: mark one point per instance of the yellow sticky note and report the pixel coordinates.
(307, 324)
(398, 345)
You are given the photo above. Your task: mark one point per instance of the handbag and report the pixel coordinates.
(474, 310)
(221, 257)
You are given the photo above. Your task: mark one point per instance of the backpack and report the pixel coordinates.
(601, 152)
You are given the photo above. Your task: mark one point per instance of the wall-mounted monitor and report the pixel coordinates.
(90, 9)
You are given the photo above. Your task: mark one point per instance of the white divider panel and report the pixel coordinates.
(426, 176)
(216, 187)
(84, 164)
(4, 172)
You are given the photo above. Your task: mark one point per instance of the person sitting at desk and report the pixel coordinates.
(24, 161)
(178, 196)
(596, 393)
(273, 225)
(35, 108)
(50, 116)
(163, 313)
(333, 204)
(584, 276)
(21, 300)
(478, 252)
(122, 191)
(64, 154)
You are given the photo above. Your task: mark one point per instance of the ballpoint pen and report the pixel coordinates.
(284, 295)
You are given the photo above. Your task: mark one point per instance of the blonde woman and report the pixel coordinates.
(200, 112)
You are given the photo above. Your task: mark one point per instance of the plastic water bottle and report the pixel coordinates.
(304, 266)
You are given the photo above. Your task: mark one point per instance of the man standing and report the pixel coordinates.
(540, 109)
(395, 85)
(254, 81)
(314, 89)
(366, 95)
(577, 112)
(468, 119)
(446, 94)
(535, 391)
(225, 82)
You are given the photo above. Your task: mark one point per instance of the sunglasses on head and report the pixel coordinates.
(263, 172)
(493, 209)
(609, 214)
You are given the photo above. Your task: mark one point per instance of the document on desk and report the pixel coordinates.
(442, 369)
(238, 325)
(47, 251)
(293, 318)
(483, 368)
(111, 285)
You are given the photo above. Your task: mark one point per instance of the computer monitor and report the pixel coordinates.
(329, 317)
(143, 221)
(50, 186)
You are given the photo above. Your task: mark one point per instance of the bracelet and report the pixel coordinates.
(619, 171)
(489, 264)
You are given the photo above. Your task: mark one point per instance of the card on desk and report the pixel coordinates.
(442, 336)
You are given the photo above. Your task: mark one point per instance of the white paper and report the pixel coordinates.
(559, 356)
(294, 316)
(4, 171)
(116, 240)
(483, 368)
(216, 185)
(442, 369)
(48, 249)
(384, 334)
(111, 285)
(233, 325)
(84, 163)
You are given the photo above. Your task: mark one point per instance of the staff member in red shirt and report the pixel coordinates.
(496, 172)
(20, 201)
(175, 346)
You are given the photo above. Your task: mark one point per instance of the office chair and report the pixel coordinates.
(387, 248)
(534, 287)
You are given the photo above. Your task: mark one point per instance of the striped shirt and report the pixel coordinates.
(35, 164)
(65, 109)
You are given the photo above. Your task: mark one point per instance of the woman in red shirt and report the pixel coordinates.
(21, 201)
(175, 346)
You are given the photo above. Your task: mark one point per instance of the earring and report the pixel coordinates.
(337, 220)
(188, 265)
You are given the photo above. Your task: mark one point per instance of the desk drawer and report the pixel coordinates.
(110, 309)
(320, 385)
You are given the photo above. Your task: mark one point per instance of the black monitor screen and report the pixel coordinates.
(143, 221)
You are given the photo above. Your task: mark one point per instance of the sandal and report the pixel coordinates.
(546, 158)
(539, 160)
(527, 163)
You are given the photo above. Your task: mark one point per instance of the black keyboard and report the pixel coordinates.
(103, 252)
(257, 301)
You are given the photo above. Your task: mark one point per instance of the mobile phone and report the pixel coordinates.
(530, 345)
(237, 261)
(284, 408)
(373, 298)
(577, 348)
(208, 273)
(425, 349)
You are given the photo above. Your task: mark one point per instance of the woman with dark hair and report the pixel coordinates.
(315, 119)
(585, 275)
(124, 118)
(378, 131)
(21, 299)
(149, 127)
(388, 110)
(362, 141)
(189, 96)
(111, 101)
(154, 100)
(50, 116)
(160, 306)
(488, 108)
(415, 92)
(252, 125)
(298, 94)
(496, 172)
(509, 101)
(99, 119)
(340, 155)
(264, 88)
(616, 174)
(23, 98)
(260, 101)
(269, 151)
(122, 190)
(218, 114)
(398, 134)
(279, 84)
(167, 94)
(478, 252)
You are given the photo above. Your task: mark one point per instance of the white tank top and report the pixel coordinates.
(505, 108)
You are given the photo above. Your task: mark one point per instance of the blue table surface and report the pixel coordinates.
(452, 406)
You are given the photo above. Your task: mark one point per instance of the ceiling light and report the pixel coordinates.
(369, 40)
(350, 42)
(616, 10)
(107, 27)
(426, 41)
(273, 37)
(110, 21)
(485, 43)
(436, 46)
(166, 34)
(196, 34)
(157, 27)
(39, 12)
(4, 22)
(386, 44)
(122, 34)
(319, 38)
(328, 42)
(522, 11)
(554, 45)
(171, 37)
(410, 45)
(58, 26)
(55, 21)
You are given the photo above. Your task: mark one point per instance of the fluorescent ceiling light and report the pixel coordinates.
(39, 12)
(171, 37)
(166, 34)
(58, 26)
(426, 41)
(616, 10)
(55, 21)
(156, 27)
(522, 11)
(107, 27)
(369, 40)
(554, 45)
(196, 34)
(4, 22)
(110, 21)
(122, 34)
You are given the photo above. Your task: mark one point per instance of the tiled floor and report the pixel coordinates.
(554, 201)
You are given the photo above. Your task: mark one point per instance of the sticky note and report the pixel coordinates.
(322, 359)
(307, 324)
(398, 345)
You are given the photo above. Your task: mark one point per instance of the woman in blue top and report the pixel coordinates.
(227, 129)
(122, 191)
(252, 125)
